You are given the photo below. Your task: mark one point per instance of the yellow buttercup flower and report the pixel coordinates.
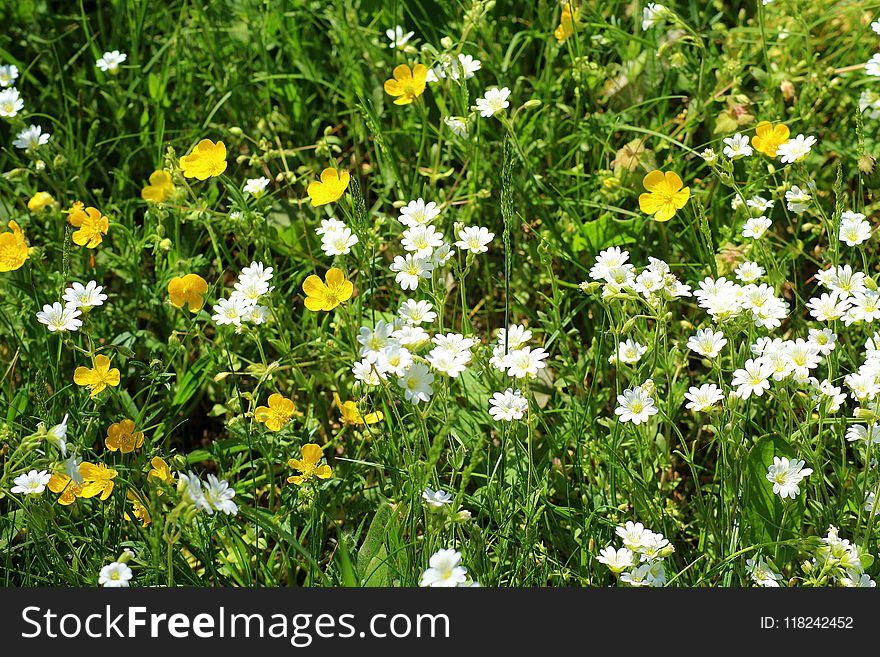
(665, 195)
(206, 160)
(13, 248)
(139, 507)
(278, 413)
(97, 480)
(68, 489)
(407, 84)
(122, 436)
(92, 227)
(39, 201)
(160, 472)
(768, 138)
(331, 187)
(188, 290)
(566, 24)
(326, 296)
(308, 465)
(351, 414)
(98, 377)
(160, 187)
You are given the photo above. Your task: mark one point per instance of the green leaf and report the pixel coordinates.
(606, 231)
(769, 518)
(373, 556)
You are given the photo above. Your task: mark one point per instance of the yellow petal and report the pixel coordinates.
(654, 181)
(649, 203)
(312, 453)
(402, 73)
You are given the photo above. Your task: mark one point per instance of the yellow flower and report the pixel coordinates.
(97, 378)
(331, 187)
(188, 290)
(92, 227)
(139, 507)
(97, 480)
(69, 489)
(205, 161)
(351, 414)
(408, 84)
(122, 436)
(160, 472)
(39, 201)
(768, 138)
(76, 214)
(13, 248)
(308, 466)
(566, 24)
(160, 187)
(665, 197)
(278, 413)
(326, 296)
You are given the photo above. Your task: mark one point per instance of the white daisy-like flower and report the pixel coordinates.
(652, 14)
(761, 573)
(218, 494)
(786, 475)
(854, 228)
(872, 67)
(474, 239)
(256, 186)
(828, 307)
(635, 405)
(115, 575)
(755, 227)
(508, 405)
(375, 340)
(330, 225)
(607, 260)
(10, 102)
(411, 269)
(493, 101)
(84, 297)
(230, 311)
(760, 204)
(704, 398)
(31, 483)
(410, 335)
(737, 147)
(633, 534)
(436, 498)
(338, 242)
(366, 372)
(709, 156)
(465, 67)
(707, 342)
(417, 312)
(825, 340)
(31, 137)
(797, 199)
(794, 150)
(442, 254)
(749, 272)
(394, 359)
(416, 383)
(444, 570)
(60, 318)
(616, 560)
(457, 125)
(110, 61)
(525, 362)
(421, 240)
(629, 352)
(8, 75)
(753, 378)
(418, 213)
(398, 38)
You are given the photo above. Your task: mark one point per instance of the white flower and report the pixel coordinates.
(416, 383)
(338, 242)
(417, 312)
(760, 204)
(873, 66)
(231, 310)
(637, 576)
(411, 269)
(60, 318)
(474, 239)
(190, 488)
(795, 149)
(854, 229)
(257, 315)
(876, 26)
(869, 434)
(31, 137)
(514, 336)
(418, 213)
(755, 227)
(444, 570)
(508, 405)
(825, 391)
(652, 14)
(8, 75)
(786, 475)
(704, 398)
(616, 560)
(374, 340)
(394, 359)
(862, 386)
(607, 260)
(84, 297)
(436, 498)
(857, 579)
(824, 340)
(526, 361)
(635, 405)
(865, 307)
(761, 573)
(367, 373)
(32, 483)
(798, 199)
(330, 225)
(707, 342)
(633, 535)
(409, 335)
(249, 290)
(493, 101)
(870, 498)
(709, 156)
(842, 280)
(421, 240)
(804, 356)
(115, 575)
(398, 37)
(628, 352)
(57, 435)
(465, 67)
(447, 361)
(457, 126)
(737, 146)
(753, 378)
(828, 307)
(256, 186)
(257, 271)
(442, 255)
(749, 272)
(10, 102)
(218, 495)
(111, 61)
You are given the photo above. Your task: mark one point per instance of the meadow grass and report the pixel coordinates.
(294, 88)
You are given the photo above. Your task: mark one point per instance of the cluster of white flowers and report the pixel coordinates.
(243, 305)
(849, 297)
(445, 570)
(336, 237)
(842, 560)
(11, 103)
(209, 496)
(653, 14)
(793, 150)
(640, 561)
(724, 300)
(654, 284)
(78, 299)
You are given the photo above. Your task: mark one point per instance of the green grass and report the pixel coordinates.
(293, 88)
